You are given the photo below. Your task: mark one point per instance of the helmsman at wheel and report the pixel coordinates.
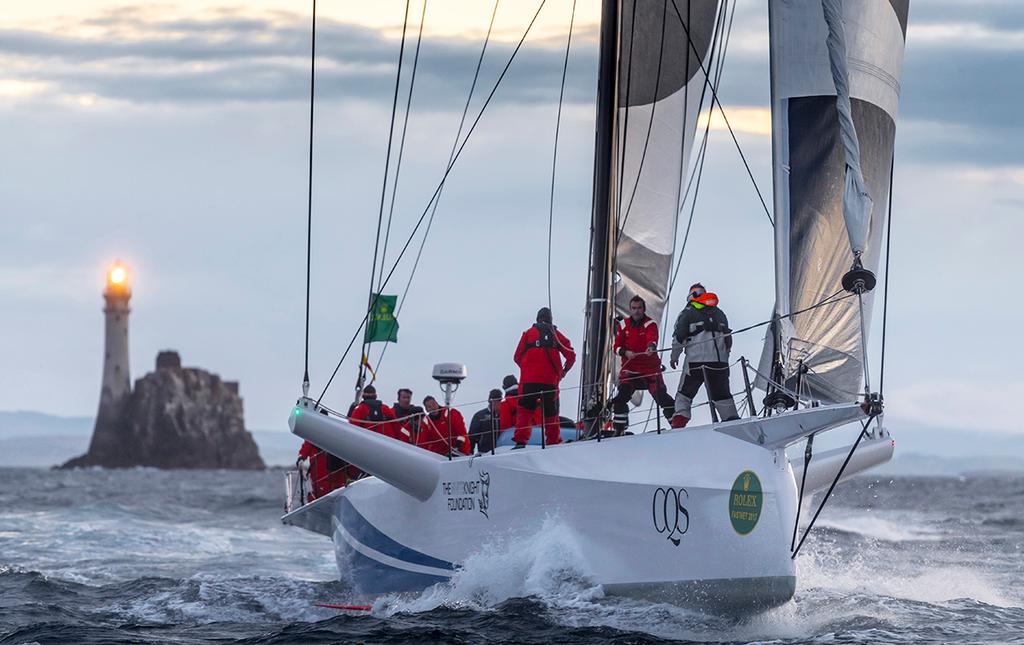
(702, 332)
(636, 341)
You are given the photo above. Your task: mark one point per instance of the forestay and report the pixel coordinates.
(828, 146)
(660, 85)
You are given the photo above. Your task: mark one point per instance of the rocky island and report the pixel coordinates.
(174, 417)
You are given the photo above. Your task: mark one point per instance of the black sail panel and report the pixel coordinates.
(812, 156)
(827, 339)
(663, 46)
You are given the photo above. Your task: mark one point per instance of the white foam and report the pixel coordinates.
(834, 584)
(878, 528)
(881, 572)
(547, 565)
(251, 600)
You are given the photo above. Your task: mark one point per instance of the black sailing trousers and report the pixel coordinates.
(715, 376)
(654, 384)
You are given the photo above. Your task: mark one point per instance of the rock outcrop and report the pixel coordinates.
(175, 417)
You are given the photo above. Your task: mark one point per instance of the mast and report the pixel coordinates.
(594, 363)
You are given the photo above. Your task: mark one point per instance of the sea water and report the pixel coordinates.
(143, 556)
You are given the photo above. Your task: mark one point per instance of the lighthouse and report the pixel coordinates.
(116, 384)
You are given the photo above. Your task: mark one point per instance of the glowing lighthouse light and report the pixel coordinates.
(118, 275)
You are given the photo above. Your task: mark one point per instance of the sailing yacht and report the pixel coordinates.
(706, 516)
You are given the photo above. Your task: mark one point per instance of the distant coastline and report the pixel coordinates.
(39, 440)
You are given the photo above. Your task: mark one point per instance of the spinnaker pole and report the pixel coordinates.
(603, 228)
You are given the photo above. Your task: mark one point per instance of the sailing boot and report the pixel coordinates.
(620, 422)
(682, 411)
(727, 409)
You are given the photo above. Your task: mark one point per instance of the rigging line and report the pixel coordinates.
(830, 300)
(372, 301)
(654, 107)
(625, 119)
(437, 191)
(698, 170)
(885, 288)
(554, 154)
(401, 143)
(808, 453)
(842, 469)
(472, 404)
(309, 194)
(689, 220)
(612, 251)
(451, 155)
(715, 59)
(714, 98)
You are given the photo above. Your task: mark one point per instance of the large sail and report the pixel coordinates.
(663, 46)
(650, 86)
(836, 69)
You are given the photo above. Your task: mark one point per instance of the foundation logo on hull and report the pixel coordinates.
(745, 502)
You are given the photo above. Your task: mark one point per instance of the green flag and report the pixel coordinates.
(382, 326)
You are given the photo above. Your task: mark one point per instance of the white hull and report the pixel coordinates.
(664, 516)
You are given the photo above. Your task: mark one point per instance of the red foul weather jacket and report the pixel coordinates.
(510, 415)
(637, 337)
(539, 355)
(323, 481)
(433, 434)
(380, 418)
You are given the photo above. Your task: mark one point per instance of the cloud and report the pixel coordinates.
(1000, 14)
(14, 87)
(958, 100)
(958, 404)
(1002, 175)
(750, 120)
(142, 57)
(967, 35)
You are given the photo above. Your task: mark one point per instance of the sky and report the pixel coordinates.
(174, 136)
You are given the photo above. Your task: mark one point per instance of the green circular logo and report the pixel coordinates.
(745, 501)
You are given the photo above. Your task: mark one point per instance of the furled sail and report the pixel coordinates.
(662, 47)
(836, 69)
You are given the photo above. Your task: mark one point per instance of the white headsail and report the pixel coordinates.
(836, 69)
(662, 48)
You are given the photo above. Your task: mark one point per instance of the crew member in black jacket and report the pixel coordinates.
(485, 425)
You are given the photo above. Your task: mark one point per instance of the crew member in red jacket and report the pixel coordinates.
(322, 478)
(510, 404)
(434, 432)
(539, 357)
(636, 339)
(372, 414)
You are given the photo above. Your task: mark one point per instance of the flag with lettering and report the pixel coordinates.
(382, 326)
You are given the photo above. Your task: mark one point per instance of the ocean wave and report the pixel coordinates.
(547, 565)
(878, 528)
(146, 556)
